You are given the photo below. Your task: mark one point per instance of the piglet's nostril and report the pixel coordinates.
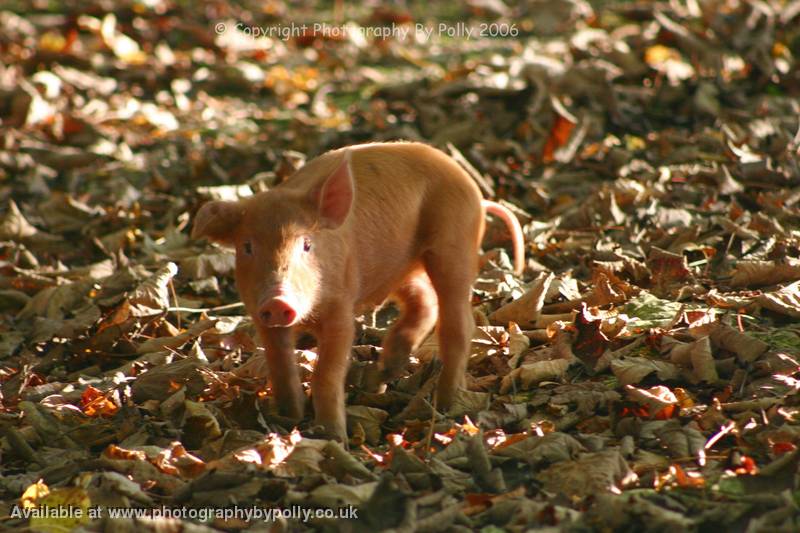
(277, 312)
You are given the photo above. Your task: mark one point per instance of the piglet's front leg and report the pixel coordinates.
(279, 348)
(335, 340)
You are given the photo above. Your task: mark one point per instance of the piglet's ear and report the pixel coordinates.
(217, 221)
(334, 196)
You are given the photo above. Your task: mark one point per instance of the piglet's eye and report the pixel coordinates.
(247, 247)
(306, 244)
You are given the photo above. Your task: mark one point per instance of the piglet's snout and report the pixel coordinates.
(277, 312)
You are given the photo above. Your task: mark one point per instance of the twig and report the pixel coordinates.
(750, 405)
(204, 309)
(175, 299)
(429, 438)
(484, 184)
(721, 433)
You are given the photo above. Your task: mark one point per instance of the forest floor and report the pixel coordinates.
(642, 374)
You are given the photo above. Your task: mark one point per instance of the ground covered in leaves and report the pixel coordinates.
(642, 375)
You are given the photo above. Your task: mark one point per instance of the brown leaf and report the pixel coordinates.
(559, 136)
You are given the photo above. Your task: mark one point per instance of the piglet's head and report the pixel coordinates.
(275, 233)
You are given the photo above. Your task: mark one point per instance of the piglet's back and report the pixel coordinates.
(398, 182)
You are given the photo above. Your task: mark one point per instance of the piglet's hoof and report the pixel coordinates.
(286, 422)
(318, 431)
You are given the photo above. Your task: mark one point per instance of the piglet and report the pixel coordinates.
(350, 229)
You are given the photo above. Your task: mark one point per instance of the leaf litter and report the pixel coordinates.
(642, 374)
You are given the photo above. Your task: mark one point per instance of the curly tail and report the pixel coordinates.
(514, 228)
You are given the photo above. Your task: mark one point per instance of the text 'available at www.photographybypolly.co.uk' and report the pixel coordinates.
(266, 514)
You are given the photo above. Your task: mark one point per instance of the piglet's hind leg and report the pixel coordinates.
(418, 310)
(451, 270)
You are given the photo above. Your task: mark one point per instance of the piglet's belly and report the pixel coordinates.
(378, 295)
